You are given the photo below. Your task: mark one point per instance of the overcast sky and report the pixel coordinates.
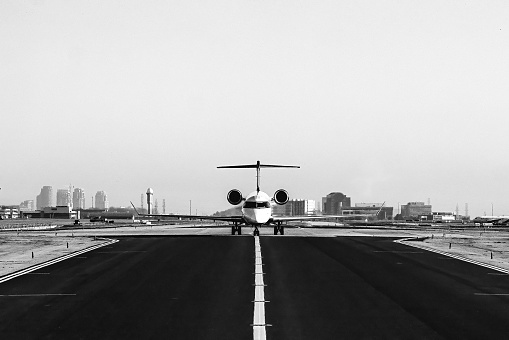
(392, 101)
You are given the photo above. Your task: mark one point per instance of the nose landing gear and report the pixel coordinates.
(256, 232)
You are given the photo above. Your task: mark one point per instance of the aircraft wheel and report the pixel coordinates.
(233, 230)
(239, 230)
(275, 230)
(282, 230)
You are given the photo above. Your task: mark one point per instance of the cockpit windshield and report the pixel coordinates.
(254, 205)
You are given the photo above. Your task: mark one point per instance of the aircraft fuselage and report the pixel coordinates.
(256, 208)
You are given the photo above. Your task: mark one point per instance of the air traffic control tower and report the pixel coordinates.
(150, 193)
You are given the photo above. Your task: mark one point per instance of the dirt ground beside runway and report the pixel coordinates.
(486, 246)
(16, 250)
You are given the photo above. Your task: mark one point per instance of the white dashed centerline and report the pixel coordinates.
(259, 300)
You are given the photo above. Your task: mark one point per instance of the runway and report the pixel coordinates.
(203, 287)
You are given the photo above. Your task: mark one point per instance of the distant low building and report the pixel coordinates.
(443, 216)
(439, 217)
(377, 210)
(9, 212)
(295, 208)
(415, 209)
(61, 212)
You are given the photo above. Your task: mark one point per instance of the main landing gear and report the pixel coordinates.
(279, 228)
(236, 228)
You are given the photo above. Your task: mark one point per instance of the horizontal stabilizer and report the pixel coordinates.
(258, 165)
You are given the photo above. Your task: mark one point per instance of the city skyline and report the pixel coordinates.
(385, 101)
(100, 201)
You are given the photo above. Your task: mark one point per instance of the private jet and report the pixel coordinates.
(256, 207)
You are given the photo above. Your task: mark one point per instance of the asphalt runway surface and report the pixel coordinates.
(202, 287)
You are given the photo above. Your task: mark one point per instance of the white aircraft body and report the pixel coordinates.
(256, 207)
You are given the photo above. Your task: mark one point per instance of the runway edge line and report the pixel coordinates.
(457, 257)
(58, 259)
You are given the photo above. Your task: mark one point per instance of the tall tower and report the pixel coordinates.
(150, 194)
(45, 198)
(78, 198)
(101, 200)
(63, 197)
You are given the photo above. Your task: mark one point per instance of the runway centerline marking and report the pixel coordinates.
(259, 332)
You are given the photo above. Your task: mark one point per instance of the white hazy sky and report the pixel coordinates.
(392, 101)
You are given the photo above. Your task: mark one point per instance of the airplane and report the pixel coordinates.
(492, 220)
(256, 208)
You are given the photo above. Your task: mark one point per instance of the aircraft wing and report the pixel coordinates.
(192, 217)
(315, 218)
(196, 217)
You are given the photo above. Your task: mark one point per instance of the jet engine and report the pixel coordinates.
(234, 197)
(281, 196)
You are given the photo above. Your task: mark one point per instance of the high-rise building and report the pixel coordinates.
(27, 205)
(101, 200)
(78, 198)
(45, 198)
(63, 197)
(334, 203)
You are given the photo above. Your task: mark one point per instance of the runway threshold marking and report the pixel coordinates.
(259, 332)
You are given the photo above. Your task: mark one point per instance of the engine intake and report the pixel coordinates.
(234, 197)
(281, 196)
